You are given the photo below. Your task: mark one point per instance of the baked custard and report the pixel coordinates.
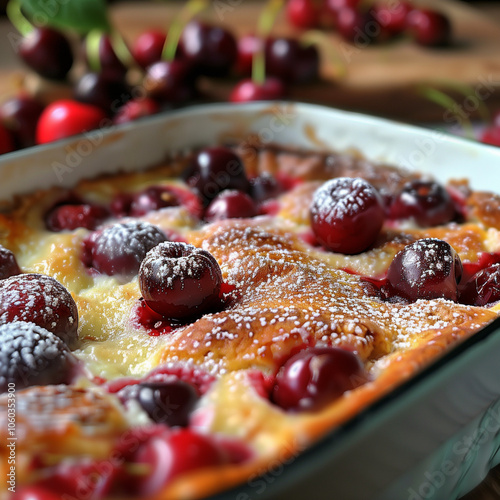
(172, 333)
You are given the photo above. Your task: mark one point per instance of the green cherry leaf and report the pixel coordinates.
(81, 16)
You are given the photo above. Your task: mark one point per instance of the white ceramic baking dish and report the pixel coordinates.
(434, 437)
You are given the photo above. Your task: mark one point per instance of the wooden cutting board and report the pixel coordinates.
(381, 79)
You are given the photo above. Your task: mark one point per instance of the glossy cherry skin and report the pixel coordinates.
(172, 454)
(315, 377)
(6, 141)
(8, 263)
(110, 63)
(167, 402)
(483, 288)
(72, 216)
(429, 27)
(104, 90)
(66, 118)
(35, 493)
(180, 281)
(248, 90)
(426, 269)
(248, 45)
(118, 250)
(42, 300)
(148, 47)
(170, 82)
(215, 169)
(357, 27)
(265, 187)
(230, 204)
(303, 14)
(392, 16)
(347, 215)
(48, 52)
(427, 202)
(135, 109)
(152, 198)
(20, 116)
(211, 50)
(290, 61)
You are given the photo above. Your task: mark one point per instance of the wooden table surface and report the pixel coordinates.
(381, 80)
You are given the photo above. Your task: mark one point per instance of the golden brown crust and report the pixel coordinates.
(287, 295)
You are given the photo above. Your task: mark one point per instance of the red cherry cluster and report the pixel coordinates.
(359, 23)
(168, 76)
(347, 213)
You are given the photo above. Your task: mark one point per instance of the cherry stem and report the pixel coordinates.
(265, 25)
(468, 92)
(446, 102)
(92, 41)
(316, 37)
(17, 18)
(190, 10)
(121, 48)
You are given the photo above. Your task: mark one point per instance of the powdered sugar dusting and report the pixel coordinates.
(288, 299)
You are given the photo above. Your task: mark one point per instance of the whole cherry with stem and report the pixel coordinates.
(261, 87)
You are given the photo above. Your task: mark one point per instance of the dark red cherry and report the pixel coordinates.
(249, 90)
(69, 217)
(230, 204)
(66, 118)
(48, 52)
(215, 169)
(426, 269)
(170, 82)
(265, 187)
(347, 215)
(152, 198)
(429, 27)
(135, 109)
(20, 115)
(148, 47)
(303, 14)
(483, 288)
(35, 493)
(167, 402)
(210, 49)
(169, 455)
(104, 90)
(248, 45)
(42, 300)
(31, 355)
(110, 63)
(6, 140)
(427, 202)
(118, 250)
(357, 26)
(180, 281)
(392, 16)
(291, 61)
(315, 377)
(8, 263)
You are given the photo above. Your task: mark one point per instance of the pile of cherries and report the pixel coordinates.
(347, 215)
(103, 96)
(362, 22)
